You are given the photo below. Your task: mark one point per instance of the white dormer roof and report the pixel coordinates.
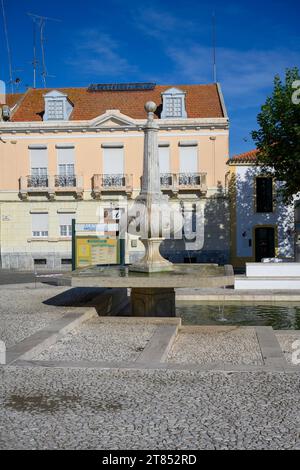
(57, 106)
(173, 104)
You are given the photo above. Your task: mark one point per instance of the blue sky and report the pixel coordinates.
(168, 42)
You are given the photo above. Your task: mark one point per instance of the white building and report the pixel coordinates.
(262, 226)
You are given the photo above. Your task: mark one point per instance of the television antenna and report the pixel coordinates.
(7, 47)
(214, 70)
(40, 22)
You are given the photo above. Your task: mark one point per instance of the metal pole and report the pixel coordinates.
(73, 245)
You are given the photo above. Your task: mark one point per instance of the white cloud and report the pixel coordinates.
(99, 54)
(161, 24)
(245, 75)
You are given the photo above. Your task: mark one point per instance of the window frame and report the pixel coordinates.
(259, 206)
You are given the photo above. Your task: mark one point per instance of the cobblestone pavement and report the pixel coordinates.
(25, 309)
(96, 341)
(100, 409)
(76, 408)
(206, 344)
(286, 340)
(22, 311)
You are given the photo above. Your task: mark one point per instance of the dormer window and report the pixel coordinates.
(57, 106)
(56, 110)
(173, 104)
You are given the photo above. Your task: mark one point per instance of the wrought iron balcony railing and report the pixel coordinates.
(192, 181)
(183, 181)
(50, 185)
(37, 181)
(65, 181)
(166, 180)
(112, 182)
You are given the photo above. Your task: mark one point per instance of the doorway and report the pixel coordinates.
(264, 243)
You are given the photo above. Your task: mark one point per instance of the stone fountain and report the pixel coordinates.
(151, 202)
(153, 279)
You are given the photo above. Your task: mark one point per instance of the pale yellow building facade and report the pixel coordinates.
(75, 153)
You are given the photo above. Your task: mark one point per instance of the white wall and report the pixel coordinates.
(283, 216)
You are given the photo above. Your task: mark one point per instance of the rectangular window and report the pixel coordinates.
(39, 166)
(113, 161)
(66, 261)
(164, 159)
(264, 194)
(113, 167)
(66, 166)
(39, 224)
(65, 224)
(188, 156)
(173, 107)
(55, 110)
(40, 261)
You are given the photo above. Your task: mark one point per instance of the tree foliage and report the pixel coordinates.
(278, 136)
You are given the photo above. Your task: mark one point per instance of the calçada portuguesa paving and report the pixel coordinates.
(78, 381)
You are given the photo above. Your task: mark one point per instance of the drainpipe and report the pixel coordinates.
(297, 231)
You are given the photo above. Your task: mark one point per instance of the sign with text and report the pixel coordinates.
(92, 250)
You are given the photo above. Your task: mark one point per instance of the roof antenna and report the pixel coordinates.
(40, 21)
(214, 71)
(8, 48)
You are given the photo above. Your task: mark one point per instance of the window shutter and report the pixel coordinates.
(65, 155)
(66, 218)
(188, 159)
(39, 157)
(164, 159)
(113, 161)
(39, 222)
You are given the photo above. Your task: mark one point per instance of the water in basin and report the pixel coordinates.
(280, 316)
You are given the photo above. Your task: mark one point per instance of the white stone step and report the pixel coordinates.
(273, 269)
(273, 283)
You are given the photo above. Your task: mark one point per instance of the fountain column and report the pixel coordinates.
(151, 201)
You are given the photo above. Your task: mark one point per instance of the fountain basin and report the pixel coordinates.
(153, 294)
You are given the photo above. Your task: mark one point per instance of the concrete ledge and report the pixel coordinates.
(243, 295)
(44, 338)
(273, 270)
(159, 345)
(217, 367)
(271, 351)
(267, 283)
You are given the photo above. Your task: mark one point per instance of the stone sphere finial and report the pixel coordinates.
(150, 107)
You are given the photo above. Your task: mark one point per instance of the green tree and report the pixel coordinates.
(278, 136)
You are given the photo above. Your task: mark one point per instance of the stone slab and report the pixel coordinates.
(273, 270)
(197, 275)
(271, 351)
(160, 344)
(42, 339)
(267, 283)
(216, 344)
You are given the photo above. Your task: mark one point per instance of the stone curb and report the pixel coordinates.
(239, 297)
(160, 344)
(36, 343)
(213, 367)
(271, 351)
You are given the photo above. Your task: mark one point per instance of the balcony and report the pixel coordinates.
(37, 183)
(51, 185)
(176, 182)
(167, 181)
(192, 181)
(116, 183)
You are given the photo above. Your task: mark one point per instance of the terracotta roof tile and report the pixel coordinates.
(13, 98)
(202, 101)
(246, 157)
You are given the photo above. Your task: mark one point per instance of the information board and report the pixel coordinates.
(92, 250)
